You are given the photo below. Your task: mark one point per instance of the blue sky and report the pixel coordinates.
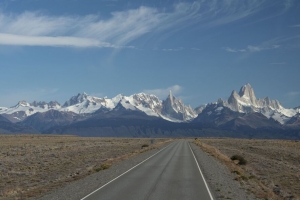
(201, 50)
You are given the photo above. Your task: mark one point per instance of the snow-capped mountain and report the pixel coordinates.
(141, 115)
(246, 102)
(172, 109)
(84, 103)
(24, 109)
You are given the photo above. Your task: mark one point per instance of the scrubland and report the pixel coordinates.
(272, 170)
(34, 164)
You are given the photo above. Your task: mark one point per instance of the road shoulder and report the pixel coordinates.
(220, 180)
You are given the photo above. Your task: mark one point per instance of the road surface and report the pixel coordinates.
(172, 173)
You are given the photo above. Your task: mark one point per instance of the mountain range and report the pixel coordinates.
(145, 115)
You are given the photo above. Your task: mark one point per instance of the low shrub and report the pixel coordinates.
(145, 145)
(240, 158)
(103, 167)
(237, 172)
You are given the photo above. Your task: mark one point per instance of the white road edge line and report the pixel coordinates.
(201, 174)
(124, 173)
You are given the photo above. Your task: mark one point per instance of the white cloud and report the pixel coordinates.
(118, 30)
(21, 40)
(254, 48)
(228, 49)
(175, 49)
(163, 92)
(251, 49)
(122, 27)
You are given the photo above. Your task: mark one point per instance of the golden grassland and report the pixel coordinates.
(273, 166)
(34, 164)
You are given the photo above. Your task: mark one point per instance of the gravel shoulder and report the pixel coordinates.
(219, 178)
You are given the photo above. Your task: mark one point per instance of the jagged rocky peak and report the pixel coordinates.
(175, 108)
(233, 96)
(247, 93)
(53, 104)
(220, 101)
(266, 102)
(22, 103)
(245, 102)
(38, 104)
(232, 100)
(118, 98)
(144, 97)
(171, 97)
(148, 100)
(79, 98)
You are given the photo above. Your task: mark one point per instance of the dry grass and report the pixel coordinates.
(273, 168)
(34, 164)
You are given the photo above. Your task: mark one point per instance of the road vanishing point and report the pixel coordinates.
(172, 173)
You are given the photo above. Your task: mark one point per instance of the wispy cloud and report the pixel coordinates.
(21, 40)
(122, 27)
(228, 49)
(223, 12)
(163, 92)
(36, 29)
(174, 49)
(251, 48)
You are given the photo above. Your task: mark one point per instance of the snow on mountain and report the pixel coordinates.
(3, 109)
(24, 109)
(246, 102)
(171, 109)
(83, 103)
(153, 106)
(148, 104)
(174, 108)
(30, 109)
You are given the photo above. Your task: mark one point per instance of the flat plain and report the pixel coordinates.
(34, 164)
(273, 166)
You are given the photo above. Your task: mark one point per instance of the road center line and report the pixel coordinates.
(125, 172)
(201, 174)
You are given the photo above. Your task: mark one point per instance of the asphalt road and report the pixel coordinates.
(172, 173)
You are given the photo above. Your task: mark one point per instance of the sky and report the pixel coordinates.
(201, 50)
